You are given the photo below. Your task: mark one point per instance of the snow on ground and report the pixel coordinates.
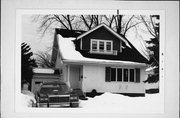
(27, 100)
(112, 103)
(152, 85)
(115, 103)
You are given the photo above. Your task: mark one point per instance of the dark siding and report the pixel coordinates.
(101, 34)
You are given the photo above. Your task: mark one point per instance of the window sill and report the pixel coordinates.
(103, 52)
(124, 82)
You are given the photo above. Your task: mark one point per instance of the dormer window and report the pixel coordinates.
(101, 46)
(94, 45)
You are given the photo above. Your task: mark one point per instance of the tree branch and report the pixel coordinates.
(131, 27)
(85, 22)
(61, 21)
(128, 22)
(148, 28)
(155, 32)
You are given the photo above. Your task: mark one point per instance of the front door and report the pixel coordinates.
(75, 76)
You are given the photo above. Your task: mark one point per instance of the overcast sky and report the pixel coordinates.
(32, 37)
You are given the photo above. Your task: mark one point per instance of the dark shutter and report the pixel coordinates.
(108, 74)
(137, 75)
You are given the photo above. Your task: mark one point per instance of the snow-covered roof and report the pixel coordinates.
(150, 68)
(43, 70)
(70, 55)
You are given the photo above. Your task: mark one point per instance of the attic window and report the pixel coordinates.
(94, 45)
(101, 46)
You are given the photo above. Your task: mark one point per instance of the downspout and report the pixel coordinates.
(83, 84)
(68, 76)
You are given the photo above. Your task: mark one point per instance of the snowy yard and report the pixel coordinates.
(109, 102)
(116, 103)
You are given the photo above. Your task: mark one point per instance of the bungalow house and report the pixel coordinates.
(99, 59)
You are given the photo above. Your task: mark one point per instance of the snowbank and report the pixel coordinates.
(27, 100)
(115, 103)
(150, 68)
(152, 85)
(68, 53)
(110, 103)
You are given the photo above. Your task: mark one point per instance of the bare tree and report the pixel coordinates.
(44, 60)
(61, 21)
(86, 22)
(109, 20)
(152, 26)
(120, 25)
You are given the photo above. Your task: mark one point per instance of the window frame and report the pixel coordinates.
(122, 75)
(105, 51)
(92, 45)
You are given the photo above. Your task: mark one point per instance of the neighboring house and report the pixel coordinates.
(99, 59)
(41, 75)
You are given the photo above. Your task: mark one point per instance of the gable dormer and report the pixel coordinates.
(100, 40)
(100, 46)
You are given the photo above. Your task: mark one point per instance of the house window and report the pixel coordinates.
(125, 75)
(94, 45)
(119, 74)
(108, 46)
(101, 46)
(131, 75)
(122, 75)
(137, 75)
(113, 74)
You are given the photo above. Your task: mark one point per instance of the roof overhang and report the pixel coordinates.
(108, 63)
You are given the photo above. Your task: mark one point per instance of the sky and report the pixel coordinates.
(32, 37)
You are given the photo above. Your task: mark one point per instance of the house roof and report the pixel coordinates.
(70, 55)
(106, 27)
(130, 53)
(69, 33)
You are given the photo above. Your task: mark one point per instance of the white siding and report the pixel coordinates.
(94, 78)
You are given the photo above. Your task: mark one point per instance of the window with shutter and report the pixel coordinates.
(108, 74)
(125, 75)
(119, 74)
(137, 75)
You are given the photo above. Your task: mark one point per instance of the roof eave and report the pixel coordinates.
(81, 62)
